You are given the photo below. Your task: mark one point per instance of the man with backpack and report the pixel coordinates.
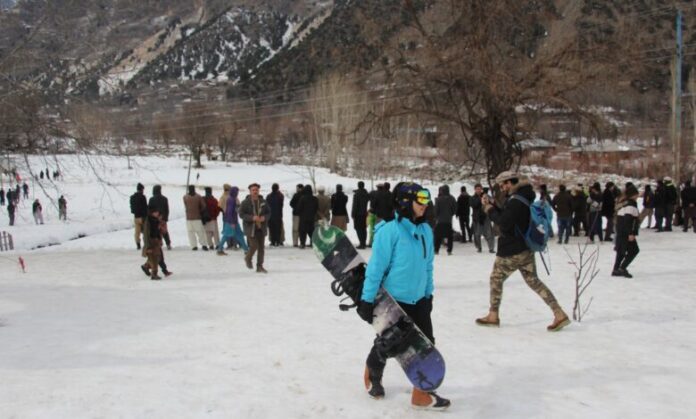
(514, 252)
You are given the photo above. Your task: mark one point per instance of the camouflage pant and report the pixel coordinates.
(526, 264)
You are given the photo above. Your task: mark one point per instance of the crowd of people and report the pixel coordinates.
(595, 212)
(14, 195)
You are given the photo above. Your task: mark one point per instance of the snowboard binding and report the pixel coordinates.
(395, 339)
(351, 284)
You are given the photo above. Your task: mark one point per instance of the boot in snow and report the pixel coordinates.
(373, 384)
(428, 400)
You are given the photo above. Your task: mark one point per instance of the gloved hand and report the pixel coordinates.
(365, 310)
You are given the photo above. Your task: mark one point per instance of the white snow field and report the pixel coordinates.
(84, 334)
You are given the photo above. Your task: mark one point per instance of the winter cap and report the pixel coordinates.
(361, 184)
(321, 189)
(667, 179)
(140, 187)
(191, 190)
(275, 187)
(339, 188)
(505, 176)
(208, 191)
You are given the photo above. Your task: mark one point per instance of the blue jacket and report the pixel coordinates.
(402, 261)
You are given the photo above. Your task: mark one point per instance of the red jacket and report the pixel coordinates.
(213, 208)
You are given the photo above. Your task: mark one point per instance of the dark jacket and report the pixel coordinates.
(36, 207)
(339, 203)
(463, 205)
(384, 205)
(275, 202)
(608, 203)
(445, 206)
(627, 221)
(649, 199)
(138, 205)
(160, 202)
(294, 201)
(477, 216)
(513, 220)
(361, 200)
(248, 210)
(562, 203)
(688, 196)
(670, 194)
(308, 206)
(579, 204)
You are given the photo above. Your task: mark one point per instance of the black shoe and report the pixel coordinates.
(491, 251)
(145, 269)
(478, 249)
(155, 278)
(205, 248)
(627, 274)
(449, 253)
(373, 384)
(194, 248)
(617, 272)
(138, 244)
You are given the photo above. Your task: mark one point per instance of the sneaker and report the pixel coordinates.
(146, 269)
(261, 270)
(617, 272)
(428, 400)
(155, 278)
(373, 384)
(484, 321)
(168, 273)
(558, 324)
(221, 253)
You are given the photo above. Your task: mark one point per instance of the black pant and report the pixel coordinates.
(465, 226)
(420, 314)
(626, 251)
(669, 214)
(578, 220)
(444, 231)
(275, 225)
(306, 229)
(361, 229)
(166, 238)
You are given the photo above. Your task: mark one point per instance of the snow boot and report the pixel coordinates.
(146, 269)
(428, 400)
(373, 383)
(558, 324)
(484, 321)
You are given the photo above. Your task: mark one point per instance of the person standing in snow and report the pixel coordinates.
(37, 210)
(608, 207)
(324, 209)
(595, 203)
(480, 221)
(25, 190)
(445, 209)
(152, 246)
(2, 196)
(308, 207)
(671, 196)
(339, 210)
(688, 201)
(138, 207)
(463, 213)
(62, 208)
(579, 211)
(513, 253)
(562, 203)
(161, 203)
(11, 211)
(212, 233)
(361, 200)
(402, 262)
(294, 202)
(230, 222)
(627, 226)
(275, 201)
(254, 212)
(195, 209)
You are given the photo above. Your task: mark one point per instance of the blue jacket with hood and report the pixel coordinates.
(402, 261)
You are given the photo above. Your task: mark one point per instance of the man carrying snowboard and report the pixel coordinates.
(402, 262)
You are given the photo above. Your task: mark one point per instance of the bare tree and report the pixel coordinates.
(585, 272)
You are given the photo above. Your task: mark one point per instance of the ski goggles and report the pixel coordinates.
(423, 197)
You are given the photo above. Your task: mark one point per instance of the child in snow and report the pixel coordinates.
(37, 211)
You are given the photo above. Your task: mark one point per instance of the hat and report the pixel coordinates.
(667, 179)
(227, 186)
(505, 176)
(140, 187)
(321, 189)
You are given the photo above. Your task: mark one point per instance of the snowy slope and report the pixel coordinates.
(85, 334)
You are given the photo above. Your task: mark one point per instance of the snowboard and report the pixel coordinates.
(397, 335)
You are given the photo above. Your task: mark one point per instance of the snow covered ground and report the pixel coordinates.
(85, 334)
